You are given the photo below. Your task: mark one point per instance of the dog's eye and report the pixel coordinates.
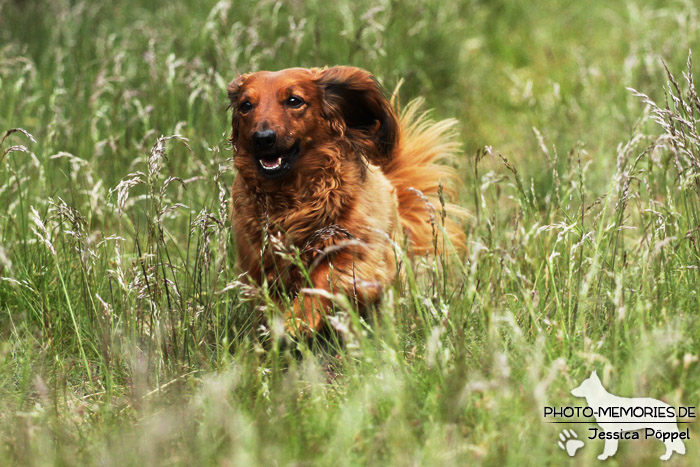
(295, 102)
(244, 107)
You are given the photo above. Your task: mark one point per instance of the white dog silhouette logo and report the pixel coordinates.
(616, 415)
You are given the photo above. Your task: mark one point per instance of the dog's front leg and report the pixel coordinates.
(360, 277)
(309, 309)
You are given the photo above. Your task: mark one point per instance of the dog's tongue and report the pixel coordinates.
(271, 164)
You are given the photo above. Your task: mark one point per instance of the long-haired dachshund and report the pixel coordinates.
(325, 167)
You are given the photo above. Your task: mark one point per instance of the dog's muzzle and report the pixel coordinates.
(273, 165)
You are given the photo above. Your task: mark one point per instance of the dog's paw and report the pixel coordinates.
(298, 328)
(569, 442)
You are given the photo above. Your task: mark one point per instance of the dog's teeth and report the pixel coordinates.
(271, 166)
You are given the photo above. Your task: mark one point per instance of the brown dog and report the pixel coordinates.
(325, 166)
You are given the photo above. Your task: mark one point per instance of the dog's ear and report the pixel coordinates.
(355, 105)
(234, 89)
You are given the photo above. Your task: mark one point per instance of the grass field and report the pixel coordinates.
(125, 338)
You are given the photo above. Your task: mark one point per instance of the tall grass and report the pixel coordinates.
(127, 336)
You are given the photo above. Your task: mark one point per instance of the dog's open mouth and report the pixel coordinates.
(274, 165)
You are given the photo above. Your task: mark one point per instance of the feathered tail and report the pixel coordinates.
(418, 170)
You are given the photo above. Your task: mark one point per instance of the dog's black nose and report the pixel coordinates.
(264, 139)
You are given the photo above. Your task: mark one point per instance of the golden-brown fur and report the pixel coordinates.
(350, 178)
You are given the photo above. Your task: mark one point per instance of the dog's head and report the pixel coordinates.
(280, 117)
(588, 387)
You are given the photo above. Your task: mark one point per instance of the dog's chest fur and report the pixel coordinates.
(292, 215)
